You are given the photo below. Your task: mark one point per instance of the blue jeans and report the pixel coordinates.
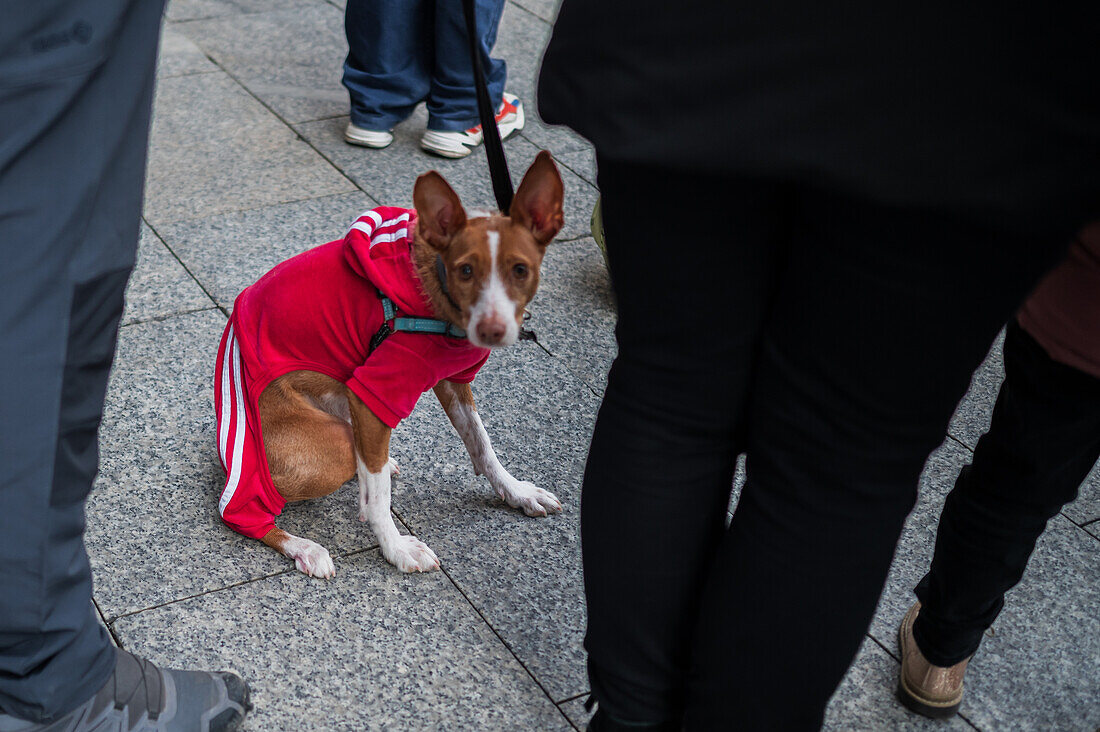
(403, 52)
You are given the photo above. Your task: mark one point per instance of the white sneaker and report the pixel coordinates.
(367, 138)
(461, 143)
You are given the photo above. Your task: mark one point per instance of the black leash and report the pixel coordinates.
(494, 149)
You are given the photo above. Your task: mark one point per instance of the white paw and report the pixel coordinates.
(394, 470)
(531, 499)
(314, 560)
(409, 554)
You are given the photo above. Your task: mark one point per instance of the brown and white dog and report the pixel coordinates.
(318, 434)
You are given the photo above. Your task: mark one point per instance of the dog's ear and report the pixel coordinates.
(537, 204)
(438, 210)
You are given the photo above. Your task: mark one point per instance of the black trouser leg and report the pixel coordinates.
(830, 338)
(1043, 440)
(692, 291)
(880, 317)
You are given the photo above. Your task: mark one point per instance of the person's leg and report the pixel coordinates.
(74, 115)
(880, 318)
(76, 83)
(452, 104)
(389, 64)
(1043, 440)
(691, 258)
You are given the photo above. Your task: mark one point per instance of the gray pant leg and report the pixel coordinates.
(75, 97)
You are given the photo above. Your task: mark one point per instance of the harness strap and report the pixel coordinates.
(392, 324)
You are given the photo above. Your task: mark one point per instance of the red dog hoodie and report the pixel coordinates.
(318, 312)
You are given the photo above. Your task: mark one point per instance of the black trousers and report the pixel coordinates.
(829, 338)
(1043, 440)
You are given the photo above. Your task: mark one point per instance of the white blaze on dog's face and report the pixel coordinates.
(492, 262)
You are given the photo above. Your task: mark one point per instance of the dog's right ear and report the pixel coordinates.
(439, 212)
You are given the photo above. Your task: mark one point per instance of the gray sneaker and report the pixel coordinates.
(139, 696)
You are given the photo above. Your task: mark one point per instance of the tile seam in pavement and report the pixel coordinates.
(292, 128)
(960, 443)
(185, 267)
(574, 697)
(595, 392)
(1069, 518)
(477, 610)
(341, 555)
(107, 625)
(192, 73)
(167, 316)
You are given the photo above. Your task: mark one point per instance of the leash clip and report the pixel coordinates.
(383, 333)
(524, 333)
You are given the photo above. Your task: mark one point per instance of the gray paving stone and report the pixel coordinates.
(179, 10)
(918, 539)
(521, 37)
(370, 649)
(215, 149)
(1087, 506)
(971, 418)
(160, 286)
(153, 533)
(545, 9)
(523, 574)
(388, 175)
(1039, 668)
(971, 421)
(229, 252)
(573, 313)
(179, 56)
(575, 711)
(865, 699)
(581, 162)
(296, 71)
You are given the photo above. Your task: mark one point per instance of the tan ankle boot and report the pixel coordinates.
(933, 691)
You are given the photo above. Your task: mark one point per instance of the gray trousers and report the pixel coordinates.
(76, 82)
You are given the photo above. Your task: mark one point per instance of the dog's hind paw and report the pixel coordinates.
(409, 554)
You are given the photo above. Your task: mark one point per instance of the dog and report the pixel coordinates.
(328, 351)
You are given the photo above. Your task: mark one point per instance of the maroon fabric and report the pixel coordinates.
(1063, 312)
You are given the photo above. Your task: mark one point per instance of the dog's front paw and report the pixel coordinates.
(409, 554)
(314, 560)
(529, 498)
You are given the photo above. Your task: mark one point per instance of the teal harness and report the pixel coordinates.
(392, 324)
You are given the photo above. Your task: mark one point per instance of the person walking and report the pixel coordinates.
(817, 218)
(1043, 440)
(76, 89)
(403, 52)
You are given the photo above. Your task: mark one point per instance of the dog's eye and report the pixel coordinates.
(520, 270)
(466, 271)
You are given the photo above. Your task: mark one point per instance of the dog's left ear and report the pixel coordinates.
(537, 203)
(439, 212)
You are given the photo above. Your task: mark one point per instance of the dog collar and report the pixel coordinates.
(441, 274)
(392, 324)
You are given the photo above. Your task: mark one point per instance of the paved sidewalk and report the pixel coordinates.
(248, 167)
